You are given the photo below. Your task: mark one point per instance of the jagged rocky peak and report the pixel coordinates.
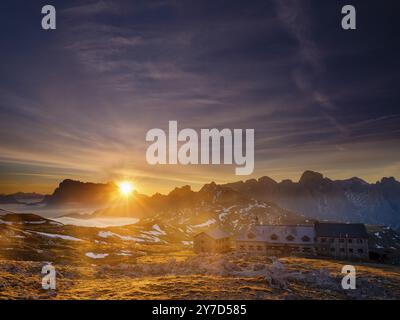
(157, 195)
(355, 181)
(251, 182)
(286, 182)
(210, 187)
(267, 181)
(76, 185)
(181, 191)
(73, 191)
(69, 182)
(311, 177)
(221, 193)
(389, 181)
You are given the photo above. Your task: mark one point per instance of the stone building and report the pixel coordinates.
(342, 240)
(278, 240)
(212, 241)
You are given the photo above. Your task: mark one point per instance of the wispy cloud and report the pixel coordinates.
(80, 103)
(90, 8)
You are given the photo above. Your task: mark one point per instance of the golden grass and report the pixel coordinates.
(22, 280)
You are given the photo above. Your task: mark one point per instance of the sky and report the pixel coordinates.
(76, 102)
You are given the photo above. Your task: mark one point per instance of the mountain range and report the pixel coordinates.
(175, 218)
(350, 200)
(20, 198)
(313, 196)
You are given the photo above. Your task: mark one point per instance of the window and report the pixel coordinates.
(259, 248)
(242, 247)
(350, 241)
(360, 251)
(289, 238)
(341, 240)
(351, 250)
(274, 237)
(306, 239)
(332, 240)
(323, 239)
(359, 241)
(251, 248)
(333, 249)
(341, 249)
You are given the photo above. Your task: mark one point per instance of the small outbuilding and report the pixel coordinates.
(212, 241)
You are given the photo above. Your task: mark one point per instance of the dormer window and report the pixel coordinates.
(289, 238)
(274, 237)
(306, 239)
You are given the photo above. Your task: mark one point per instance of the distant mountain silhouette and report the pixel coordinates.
(315, 196)
(28, 195)
(80, 193)
(8, 199)
(20, 198)
(183, 201)
(174, 218)
(212, 206)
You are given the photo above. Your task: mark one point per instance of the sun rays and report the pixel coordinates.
(125, 188)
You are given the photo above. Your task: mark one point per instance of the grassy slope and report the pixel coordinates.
(21, 280)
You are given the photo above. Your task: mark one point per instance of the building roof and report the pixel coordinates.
(290, 234)
(215, 234)
(341, 230)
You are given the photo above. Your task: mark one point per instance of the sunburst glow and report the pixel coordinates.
(125, 188)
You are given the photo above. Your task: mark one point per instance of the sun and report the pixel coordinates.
(125, 188)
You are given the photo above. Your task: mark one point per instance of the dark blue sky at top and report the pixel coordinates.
(77, 101)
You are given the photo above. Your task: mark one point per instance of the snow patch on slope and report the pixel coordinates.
(96, 255)
(97, 222)
(205, 224)
(107, 234)
(58, 236)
